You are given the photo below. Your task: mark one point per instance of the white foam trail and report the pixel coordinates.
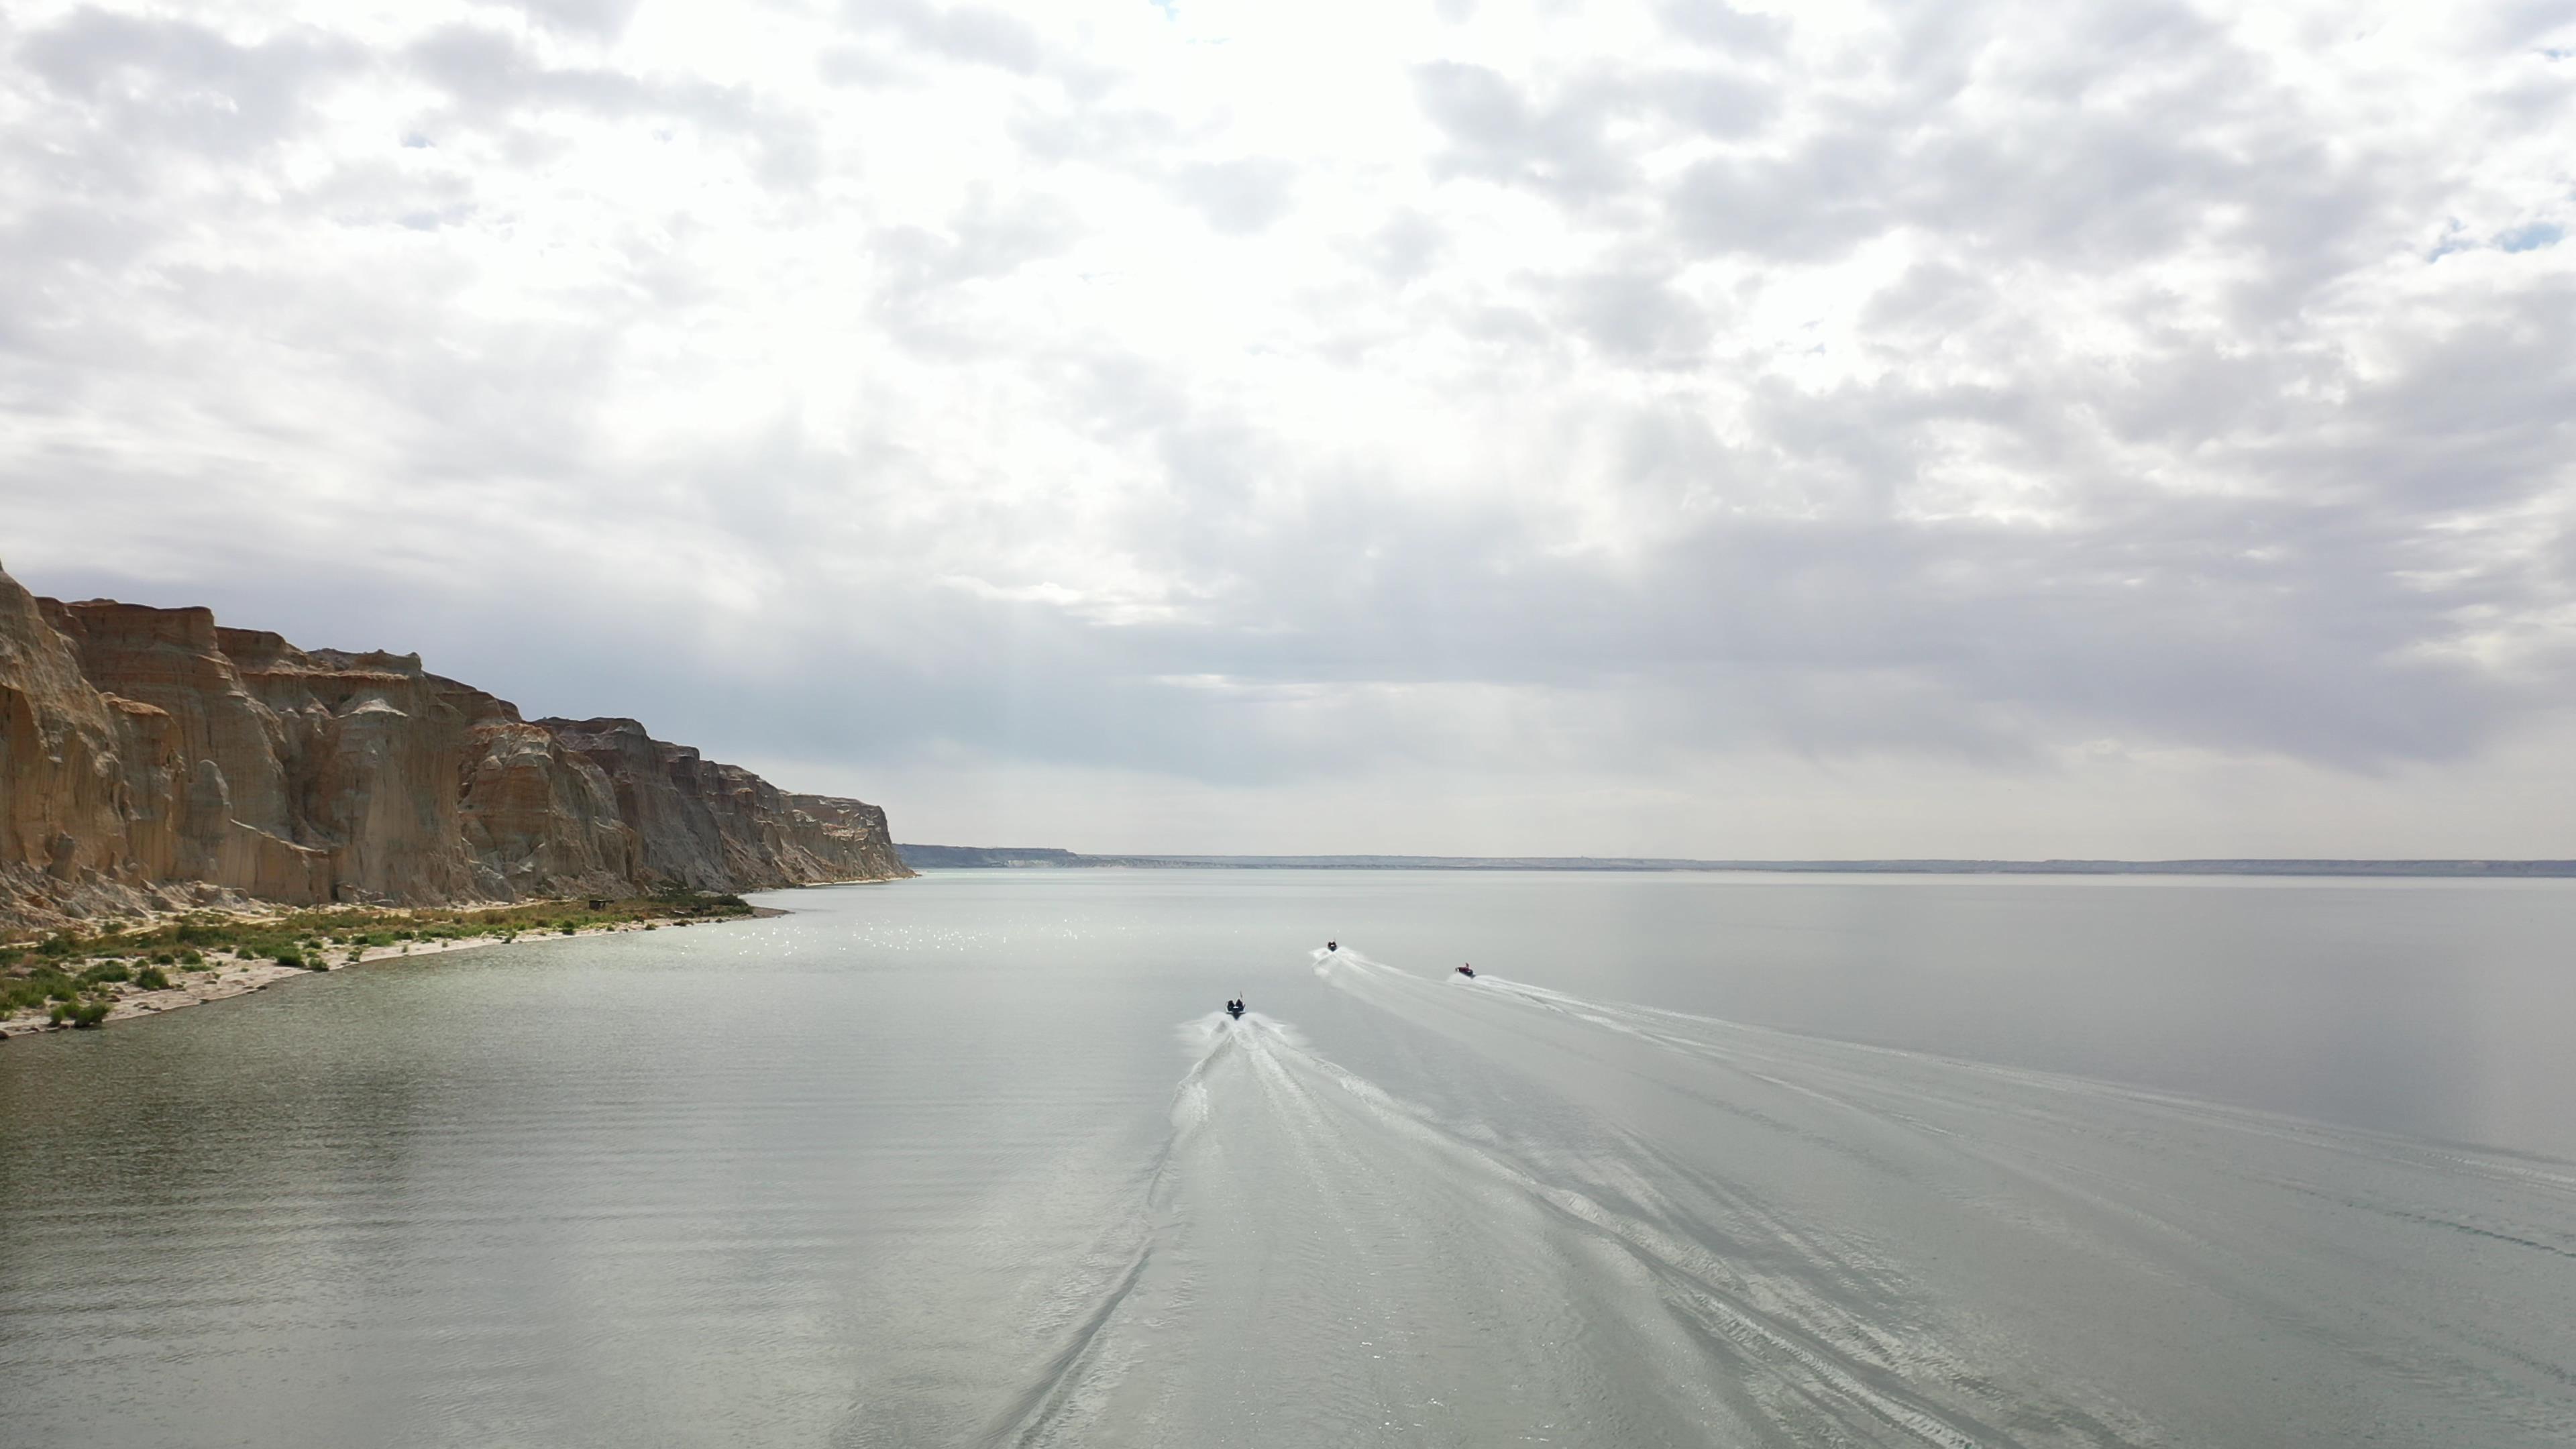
(1717, 1293)
(1596, 1222)
(1367, 1160)
(1067, 1383)
(2220, 1216)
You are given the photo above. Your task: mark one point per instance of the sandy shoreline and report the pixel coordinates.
(221, 980)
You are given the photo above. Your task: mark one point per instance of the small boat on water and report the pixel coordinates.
(1466, 970)
(1332, 945)
(1234, 1008)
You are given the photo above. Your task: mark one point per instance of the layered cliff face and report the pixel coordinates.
(703, 823)
(148, 757)
(68, 759)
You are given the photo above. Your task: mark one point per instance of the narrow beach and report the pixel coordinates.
(227, 974)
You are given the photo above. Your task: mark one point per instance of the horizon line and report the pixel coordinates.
(956, 856)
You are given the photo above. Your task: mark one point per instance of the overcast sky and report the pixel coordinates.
(1843, 429)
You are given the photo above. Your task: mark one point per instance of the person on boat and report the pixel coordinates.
(1332, 945)
(1234, 1008)
(1465, 970)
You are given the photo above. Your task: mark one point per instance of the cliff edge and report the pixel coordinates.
(150, 758)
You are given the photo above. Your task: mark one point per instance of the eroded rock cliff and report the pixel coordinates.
(705, 824)
(149, 757)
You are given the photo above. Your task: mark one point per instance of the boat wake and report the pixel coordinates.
(1546, 1218)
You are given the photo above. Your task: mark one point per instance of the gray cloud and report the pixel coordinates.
(596, 19)
(491, 76)
(924, 273)
(1829, 197)
(1497, 133)
(1722, 26)
(1560, 143)
(969, 33)
(1404, 246)
(172, 84)
(1113, 134)
(1633, 314)
(1238, 197)
(494, 81)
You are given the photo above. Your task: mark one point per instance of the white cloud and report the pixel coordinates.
(1589, 408)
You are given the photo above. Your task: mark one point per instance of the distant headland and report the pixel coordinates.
(970, 857)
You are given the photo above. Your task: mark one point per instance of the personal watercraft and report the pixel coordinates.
(1466, 970)
(1234, 1009)
(1332, 945)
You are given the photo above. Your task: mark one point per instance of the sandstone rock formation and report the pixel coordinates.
(149, 757)
(706, 824)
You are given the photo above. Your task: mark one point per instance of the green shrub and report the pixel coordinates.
(287, 956)
(80, 1013)
(152, 978)
(568, 928)
(36, 990)
(106, 971)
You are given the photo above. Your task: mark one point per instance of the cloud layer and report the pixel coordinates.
(1847, 428)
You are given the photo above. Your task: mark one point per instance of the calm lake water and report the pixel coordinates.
(1697, 1159)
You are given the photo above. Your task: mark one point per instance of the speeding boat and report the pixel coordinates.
(1234, 1009)
(1332, 945)
(1466, 970)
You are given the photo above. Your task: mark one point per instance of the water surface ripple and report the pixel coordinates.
(973, 1160)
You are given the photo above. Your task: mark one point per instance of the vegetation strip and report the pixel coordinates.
(68, 979)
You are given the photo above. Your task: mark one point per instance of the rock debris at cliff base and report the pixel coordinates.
(152, 760)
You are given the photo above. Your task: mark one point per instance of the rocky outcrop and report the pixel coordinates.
(857, 831)
(706, 824)
(66, 775)
(149, 757)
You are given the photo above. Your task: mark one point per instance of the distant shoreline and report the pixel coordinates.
(974, 857)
